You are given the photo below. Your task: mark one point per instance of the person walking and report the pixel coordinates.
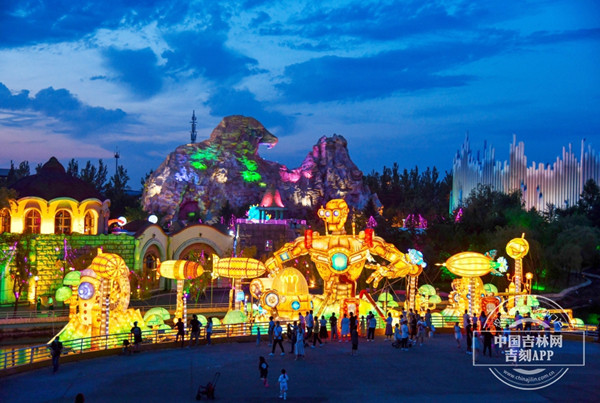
(209, 330)
(354, 338)
(301, 321)
(299, 342)
(323, 329)
(195, 329)
(180, 331)
(487, 340)
(316, 334)
(421, 331)
(56, 348)
(404, 340)
(263, 369)
(137, 337)
(333, 324)
(388, 327)
(457, 334)
(271, 329)
(363, 326)
(345, 328)
(310, 324)
(353, 322)
(277, 338)
(291, 333)
(469, 332)
(397, 336)
(372, 326)
(428, 323)
(283, 384)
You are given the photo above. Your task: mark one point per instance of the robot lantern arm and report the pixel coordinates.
(399, 266)
(287, 252)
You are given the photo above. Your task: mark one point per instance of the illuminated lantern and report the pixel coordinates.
(63, 293)
(240, 296)
(233, 317)
(490, 288)
(180, 269)
(72, 278)
(86, 290)
(517, 248)
(369, 237)
(427, 290)
(308, 238)
(238, 267)
(339, 262)
(469, 264)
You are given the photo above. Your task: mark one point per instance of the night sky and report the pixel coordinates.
(403, 81)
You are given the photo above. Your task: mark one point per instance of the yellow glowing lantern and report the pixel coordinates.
(469, 264)
(290, 282)
(517, 248)
(238, 267)
(180, 269)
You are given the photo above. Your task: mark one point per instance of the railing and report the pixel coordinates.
(31, 314)
(64, 313)
(28, 355)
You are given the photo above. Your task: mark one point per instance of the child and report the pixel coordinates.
(263, 368)
(457, 334)
(354, 338)
(283, 384)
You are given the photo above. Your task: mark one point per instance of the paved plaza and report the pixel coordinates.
(437, 371)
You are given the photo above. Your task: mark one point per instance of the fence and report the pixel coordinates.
(64, 313)
(29, 355)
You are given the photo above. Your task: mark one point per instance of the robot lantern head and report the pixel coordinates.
(334, 214)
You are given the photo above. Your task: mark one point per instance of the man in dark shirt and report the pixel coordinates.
(195, 329)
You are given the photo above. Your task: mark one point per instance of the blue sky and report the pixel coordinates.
(403, 81)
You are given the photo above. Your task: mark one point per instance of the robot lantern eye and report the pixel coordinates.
(321, 212)
(336, 213)
(328, 213)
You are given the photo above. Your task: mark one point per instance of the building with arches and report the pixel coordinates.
(60, 212)
(54, 202)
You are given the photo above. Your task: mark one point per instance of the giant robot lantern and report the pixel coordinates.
(340, 260)
(103, 299)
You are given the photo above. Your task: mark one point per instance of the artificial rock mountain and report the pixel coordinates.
(196, 180)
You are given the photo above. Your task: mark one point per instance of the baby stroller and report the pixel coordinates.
(209, 389)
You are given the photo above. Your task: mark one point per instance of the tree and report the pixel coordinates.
(144, 180)
(5, 196)
(73, 168)
(589, 204)
(95, 176)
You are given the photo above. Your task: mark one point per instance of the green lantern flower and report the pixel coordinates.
(427, 290)
(63, 293)
(72, 278)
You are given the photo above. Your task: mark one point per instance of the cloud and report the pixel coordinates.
(228, 101)
(548, 37)
(333, 78)
(379, 21)
(138, 69)
(205, 53)
(65, 107)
